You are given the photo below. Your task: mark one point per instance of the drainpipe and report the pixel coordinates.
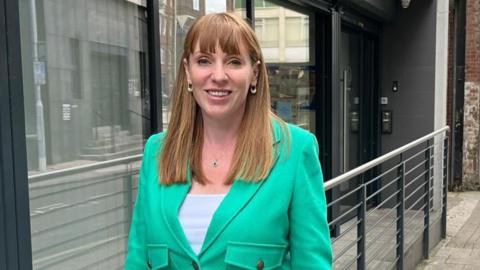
(39, 70)
(456, 171)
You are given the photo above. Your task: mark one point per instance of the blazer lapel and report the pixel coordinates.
(172, 198)
(237, 198)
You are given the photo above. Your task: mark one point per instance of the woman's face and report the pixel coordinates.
(221, 82)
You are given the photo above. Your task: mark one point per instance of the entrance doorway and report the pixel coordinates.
(359, 103)
(358, 98)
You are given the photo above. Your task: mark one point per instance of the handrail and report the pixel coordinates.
(328, 184)
(83, 168)
(352, 173)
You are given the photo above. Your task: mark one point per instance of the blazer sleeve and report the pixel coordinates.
(137, 253)
(310, 246)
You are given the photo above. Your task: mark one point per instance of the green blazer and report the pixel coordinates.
(277, 223)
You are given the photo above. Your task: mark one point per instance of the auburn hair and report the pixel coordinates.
(253, 156)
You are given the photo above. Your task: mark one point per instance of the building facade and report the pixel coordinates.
(85, 82)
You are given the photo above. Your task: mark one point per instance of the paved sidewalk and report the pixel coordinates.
(461, 248)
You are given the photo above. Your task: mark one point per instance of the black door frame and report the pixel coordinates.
(15, 242)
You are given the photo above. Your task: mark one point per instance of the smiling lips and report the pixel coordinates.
(218, 92)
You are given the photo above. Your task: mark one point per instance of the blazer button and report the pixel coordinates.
(260, 264)
(195, 265)
(149, 264)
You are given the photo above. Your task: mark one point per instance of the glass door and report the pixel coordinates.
(359, 106)
(359, 99)
(350, 71)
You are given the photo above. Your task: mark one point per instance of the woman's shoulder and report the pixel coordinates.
(297, 132)
(293, 140)
(291, 132)
(155, 139)
(154, 142)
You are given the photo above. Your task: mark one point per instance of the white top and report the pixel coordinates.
(195, 215)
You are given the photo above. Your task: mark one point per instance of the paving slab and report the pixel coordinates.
(461, 248)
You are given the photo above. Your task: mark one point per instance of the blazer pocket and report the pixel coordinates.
(254, 256)
(157, 256)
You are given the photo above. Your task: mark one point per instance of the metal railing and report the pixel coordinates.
(378, 210)
(80, 216)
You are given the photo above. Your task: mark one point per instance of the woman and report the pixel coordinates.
(229, 185)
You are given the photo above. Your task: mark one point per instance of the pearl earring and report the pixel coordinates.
(253, 89)
(190, 88)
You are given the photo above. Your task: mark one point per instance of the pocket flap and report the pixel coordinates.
(251, 255)
(157, 256)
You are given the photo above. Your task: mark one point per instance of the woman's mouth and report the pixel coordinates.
(218, 92)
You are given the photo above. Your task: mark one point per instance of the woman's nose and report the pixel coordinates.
(219, 73)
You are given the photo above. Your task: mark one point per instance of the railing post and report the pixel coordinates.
(401, 214)
(426, 209)
(444, 187)
(362, 210)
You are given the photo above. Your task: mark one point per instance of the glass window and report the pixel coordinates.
(263, 3)
(178, 17)
(284, 36)
(196, 5)
(283, 33)
(296, 31)
(86, 105)
(267, 31)
(212, 6)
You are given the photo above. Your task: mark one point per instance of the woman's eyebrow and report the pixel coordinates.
(198, 53)
(234, 55)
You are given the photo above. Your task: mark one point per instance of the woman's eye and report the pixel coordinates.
(235, 62)
(203, 61)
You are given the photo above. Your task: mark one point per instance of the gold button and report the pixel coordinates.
(260, 264)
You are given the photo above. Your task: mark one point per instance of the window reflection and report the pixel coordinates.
(86, 99)
(293, 94)
(284, 37)
(283, 33)
(92, 55)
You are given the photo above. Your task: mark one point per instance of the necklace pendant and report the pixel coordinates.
(215, 163)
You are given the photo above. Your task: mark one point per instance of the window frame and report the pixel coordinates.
(15, 250)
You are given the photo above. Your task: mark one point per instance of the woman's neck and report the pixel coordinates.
(220, 133)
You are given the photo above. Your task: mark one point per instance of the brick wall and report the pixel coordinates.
(471, 120)
(472, 42)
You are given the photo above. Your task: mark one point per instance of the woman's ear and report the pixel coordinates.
(256, 72)
(186, 66)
